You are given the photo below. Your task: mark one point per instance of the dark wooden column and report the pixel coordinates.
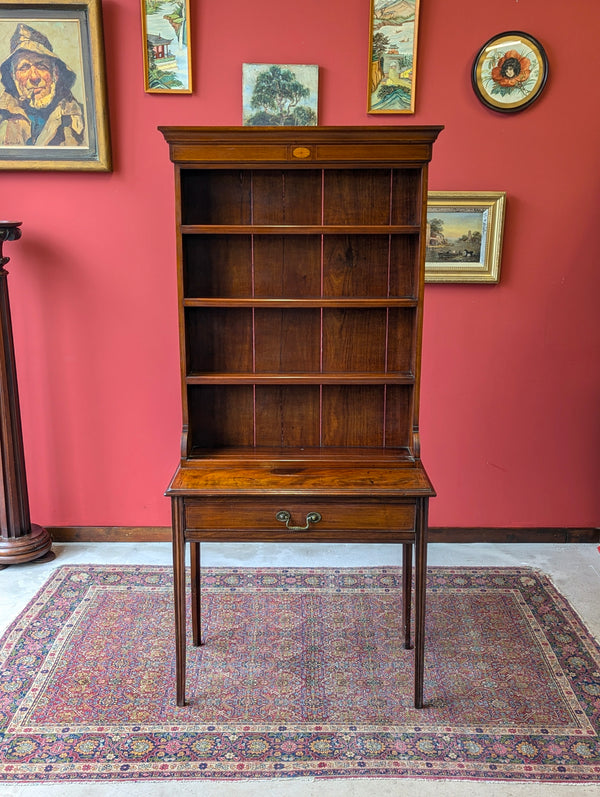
(20, 540)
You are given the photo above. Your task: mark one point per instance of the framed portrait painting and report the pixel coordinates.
(464, 236)
(53, 111)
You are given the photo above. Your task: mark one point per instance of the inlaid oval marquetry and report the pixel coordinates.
(301, 152)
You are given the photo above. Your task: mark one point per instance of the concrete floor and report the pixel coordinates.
(574, 569)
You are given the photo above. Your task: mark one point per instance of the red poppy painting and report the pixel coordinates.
(510, 71)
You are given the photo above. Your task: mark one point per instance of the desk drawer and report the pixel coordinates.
(260, 515)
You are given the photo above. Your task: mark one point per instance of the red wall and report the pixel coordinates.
(510, 411)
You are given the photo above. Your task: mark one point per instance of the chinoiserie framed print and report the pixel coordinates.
(510, 71)
(53, 108)
(464, 236)
(280, 94)
(165, 41)
(392, 56)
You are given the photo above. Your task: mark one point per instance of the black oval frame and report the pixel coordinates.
(482, 96)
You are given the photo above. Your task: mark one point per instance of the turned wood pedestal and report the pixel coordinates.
(20, 540)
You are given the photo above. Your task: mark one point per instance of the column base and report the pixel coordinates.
(16, 550)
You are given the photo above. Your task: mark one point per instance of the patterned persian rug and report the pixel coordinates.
(303, 674)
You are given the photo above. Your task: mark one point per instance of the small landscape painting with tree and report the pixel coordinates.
(280, 94)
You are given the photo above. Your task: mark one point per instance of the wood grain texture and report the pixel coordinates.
(530, 534)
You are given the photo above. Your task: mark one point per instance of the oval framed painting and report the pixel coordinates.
(510, 71)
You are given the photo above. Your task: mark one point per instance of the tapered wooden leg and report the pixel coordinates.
(179, 595)
(420, 587)
(196, 594)
(407, 554)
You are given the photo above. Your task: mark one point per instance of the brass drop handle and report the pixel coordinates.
(284, 517)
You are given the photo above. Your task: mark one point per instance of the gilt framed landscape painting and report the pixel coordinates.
(464, 236)
(53, 109)
(393, 56)
(165, 35)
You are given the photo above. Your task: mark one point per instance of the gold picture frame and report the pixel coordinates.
(165, 43)
(57, 118)
(464, 236)
(393, 33)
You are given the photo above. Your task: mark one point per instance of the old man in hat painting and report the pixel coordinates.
(36, 104)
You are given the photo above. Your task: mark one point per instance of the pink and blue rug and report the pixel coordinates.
(303, 673)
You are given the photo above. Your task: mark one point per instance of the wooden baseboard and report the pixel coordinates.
(529, 534)
(110, 533)
(436, 534)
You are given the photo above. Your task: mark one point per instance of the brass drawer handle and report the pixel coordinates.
(284, 517)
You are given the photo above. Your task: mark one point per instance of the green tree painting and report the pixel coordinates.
(279, 95)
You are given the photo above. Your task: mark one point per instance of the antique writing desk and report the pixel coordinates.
(300, 273)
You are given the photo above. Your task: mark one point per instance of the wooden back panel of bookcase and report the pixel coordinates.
(300, 262)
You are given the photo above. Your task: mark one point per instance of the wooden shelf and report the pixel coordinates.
(290, 378)
(334, 457)
(280, 303)
(299, 229)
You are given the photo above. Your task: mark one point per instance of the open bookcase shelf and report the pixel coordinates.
(300, 304)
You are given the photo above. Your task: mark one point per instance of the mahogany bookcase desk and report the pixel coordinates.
(300, 274)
